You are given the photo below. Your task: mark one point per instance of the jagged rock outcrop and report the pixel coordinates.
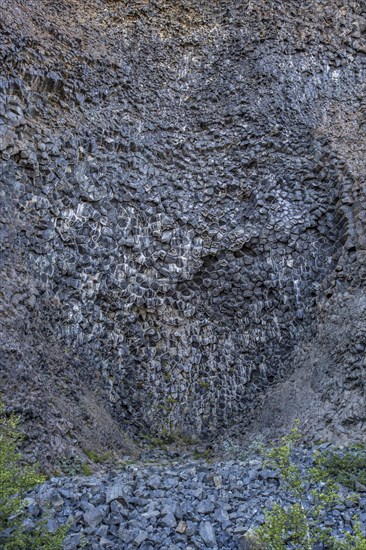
(182, 219)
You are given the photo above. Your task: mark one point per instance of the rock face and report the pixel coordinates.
(182, 219)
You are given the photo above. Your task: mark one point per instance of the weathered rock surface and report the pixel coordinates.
(182, 218)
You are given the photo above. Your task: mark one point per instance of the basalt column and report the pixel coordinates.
(174, 203)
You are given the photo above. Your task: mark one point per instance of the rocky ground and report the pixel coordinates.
(168, 502)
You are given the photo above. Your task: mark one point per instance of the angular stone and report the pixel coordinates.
(117, 492)
(72, 541)
(169, 521)
(222, 516)
(205, 507)
(92, 518)
(140, 538)
(181, 527)
(207, 534)
(154, 482)
(218, 482)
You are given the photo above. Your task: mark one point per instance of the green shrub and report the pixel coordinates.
(97, 458)
(71, 466)
(15, 479)
(86, 469)
(346, 466)
(313, 491)
(355, 540)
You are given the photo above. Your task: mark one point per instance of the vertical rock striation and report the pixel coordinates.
(183, 209)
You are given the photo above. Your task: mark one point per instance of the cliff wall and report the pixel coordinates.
(182, 219)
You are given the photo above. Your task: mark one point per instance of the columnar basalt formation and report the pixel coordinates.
(183, 209)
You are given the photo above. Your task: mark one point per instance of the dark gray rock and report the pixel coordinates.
(140, 538)
(154, 482)
(168, 520)
(206, 507)
(207, 534)
(93, 517)
(117, 492)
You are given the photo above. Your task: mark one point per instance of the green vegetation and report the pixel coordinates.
(74, 466)
(71, 466)
(205, 454)
(86, 469)
(313, 491)
(15, 479)
(97, 458)
(346, 466)
(355, 540)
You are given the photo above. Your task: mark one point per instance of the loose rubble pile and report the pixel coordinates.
(173, 504)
